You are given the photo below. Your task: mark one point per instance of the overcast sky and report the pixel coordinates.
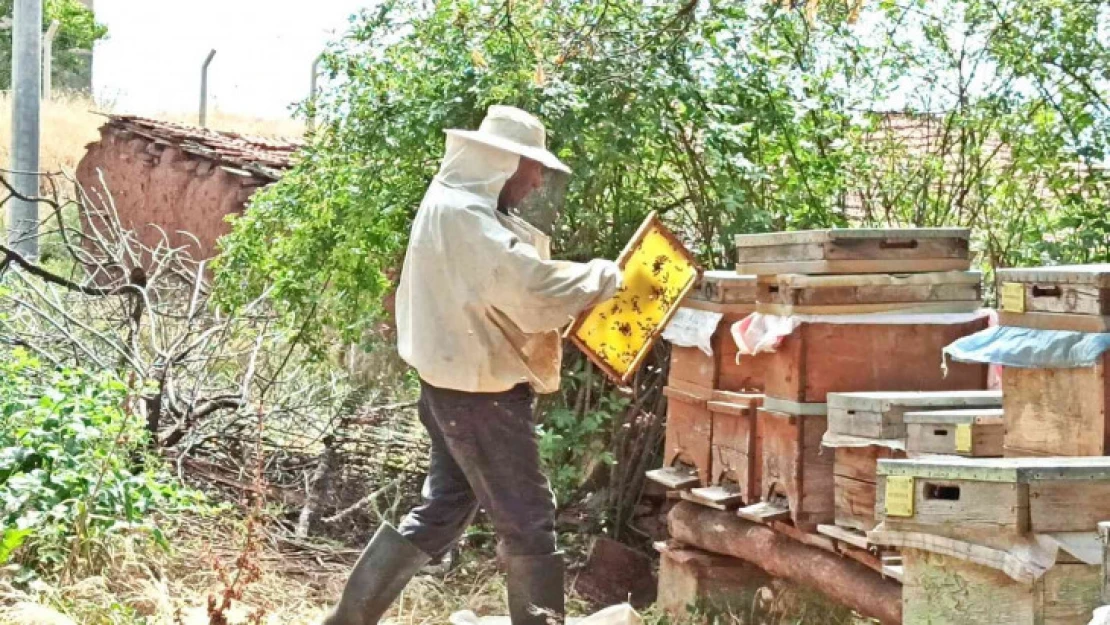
(265, 48)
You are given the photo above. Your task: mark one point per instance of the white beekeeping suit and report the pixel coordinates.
(480, 303)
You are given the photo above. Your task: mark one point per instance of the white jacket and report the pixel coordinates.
(480, 303)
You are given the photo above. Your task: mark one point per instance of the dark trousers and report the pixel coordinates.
(484, 453)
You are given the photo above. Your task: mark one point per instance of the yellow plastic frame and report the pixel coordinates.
(658, 272)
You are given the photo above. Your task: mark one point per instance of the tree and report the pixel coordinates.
(78, 30)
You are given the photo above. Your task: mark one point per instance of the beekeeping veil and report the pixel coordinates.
(511, 130)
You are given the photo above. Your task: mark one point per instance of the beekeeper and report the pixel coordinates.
(479, 308)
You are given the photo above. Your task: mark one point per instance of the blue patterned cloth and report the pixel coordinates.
(1025, 347)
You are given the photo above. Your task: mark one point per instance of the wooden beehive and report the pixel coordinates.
(972, 432)
(1067, 297)
(857, 250)
(732, 295)
(689, 430)
(794, 468)
(993, 499)
(879, 414)
(949, 291)
(855, 481)
(942, 589)
(1057, 412)
(736, 444)
(822, 358)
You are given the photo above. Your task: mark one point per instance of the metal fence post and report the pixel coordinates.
(204, 89)
(23, 218)
(48, 60)
(312, 93)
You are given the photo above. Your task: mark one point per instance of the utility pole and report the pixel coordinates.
(23, 218)
(48, 60)
(204, 89)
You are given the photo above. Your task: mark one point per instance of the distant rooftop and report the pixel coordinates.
(262, 157)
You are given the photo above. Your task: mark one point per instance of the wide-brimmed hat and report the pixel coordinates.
(513, 130)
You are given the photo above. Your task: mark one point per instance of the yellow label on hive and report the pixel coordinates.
(963, 438)
(1013, 297)
(899, 496)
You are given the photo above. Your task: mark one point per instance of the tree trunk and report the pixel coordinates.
(842, 580)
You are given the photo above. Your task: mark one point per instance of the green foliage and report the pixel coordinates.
(574, 439)
(78, 30)
(721, 123)
(72, 473)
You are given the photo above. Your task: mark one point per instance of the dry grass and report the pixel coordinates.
(69, 123)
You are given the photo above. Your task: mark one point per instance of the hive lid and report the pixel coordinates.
(972, 415)
(1008, 470)
(1091, 275)
(883, 401)
(839, 234)
(802, 281)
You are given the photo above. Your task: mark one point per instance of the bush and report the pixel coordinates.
(72, 467)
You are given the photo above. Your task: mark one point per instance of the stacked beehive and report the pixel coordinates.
(848, 323)
(1060, 410)
(996, 540)
(710, 443)
(1013, 540)
(867, 427)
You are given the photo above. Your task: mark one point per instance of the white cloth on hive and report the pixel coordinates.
(693, 328)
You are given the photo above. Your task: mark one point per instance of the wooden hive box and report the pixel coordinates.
(732, 295)
(941, 589)
(689, 435)
(879, 414)
(736, 444)
(1067, 297)
(856, 250)
(975, 432)
(988, 500)
(949, 291)
(855, 481)
(1057, 412)
(822, 358)
(796, 473)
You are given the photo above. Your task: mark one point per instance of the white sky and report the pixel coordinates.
(264, 52)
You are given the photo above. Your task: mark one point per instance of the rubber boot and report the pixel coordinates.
(379, 576)
(535, 586)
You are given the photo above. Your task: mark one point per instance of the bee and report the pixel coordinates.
(657, 266)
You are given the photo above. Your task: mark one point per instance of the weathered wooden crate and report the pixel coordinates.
(736, 443)
(976, 432)
(992, 499)
(1067, 297)
(822, 358)
(692, 577)
(795, 469)
(854, 483)
(689, 430)
(1057, 412)
(732, 295)
(857, 250)
(948, 291)
(942, 589)
(879, 414)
